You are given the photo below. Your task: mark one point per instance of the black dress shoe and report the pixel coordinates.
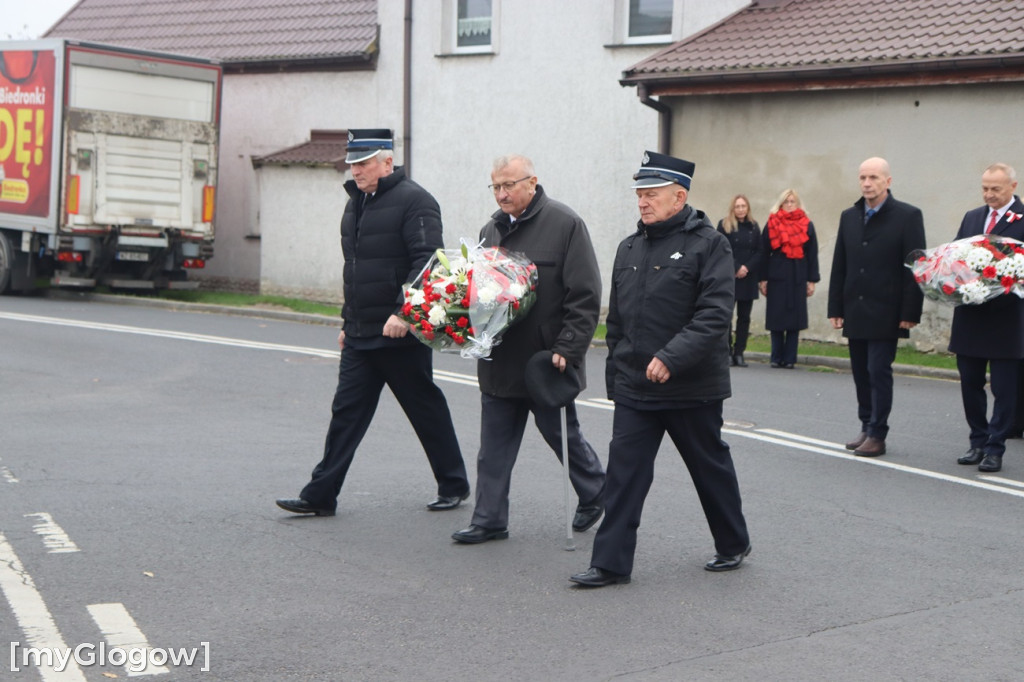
(586, 517)
(858, 441)
(738, 360)
(598, 577)
(972, 457)
(734, 360)
(474, 535)
(991, 463)
(787, 365)
(775, 364)
(721, 562)
(444, 503)
(300, 506)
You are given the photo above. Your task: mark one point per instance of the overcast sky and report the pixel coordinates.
(30, 18)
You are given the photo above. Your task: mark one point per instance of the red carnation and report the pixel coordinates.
(463, 322)
(989, 272)
(450, 289)
(948, 289)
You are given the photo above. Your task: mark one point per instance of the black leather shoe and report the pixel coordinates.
(722, 562)
(598, 577)
(738, 360)
(474, 535)
(444, 503)
(787, 365)
(300, 506)
(734, 360)
(776, 365)
(972, 457)
(586, 517)
(991, 463)
(858, 441)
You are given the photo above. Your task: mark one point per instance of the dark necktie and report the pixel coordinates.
(867, 215)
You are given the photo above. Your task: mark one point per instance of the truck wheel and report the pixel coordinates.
(6, 263)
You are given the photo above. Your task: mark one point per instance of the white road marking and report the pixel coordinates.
(33, 617)
(119, 629)
(54, 537)
(7, 474)
(765, 435)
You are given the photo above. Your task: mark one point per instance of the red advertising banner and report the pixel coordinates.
(26, 125)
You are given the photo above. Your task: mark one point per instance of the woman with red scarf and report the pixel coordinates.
(789, 271)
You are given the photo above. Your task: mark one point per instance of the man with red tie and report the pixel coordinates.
(990, 335)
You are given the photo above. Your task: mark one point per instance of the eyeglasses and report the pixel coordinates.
(507, 186)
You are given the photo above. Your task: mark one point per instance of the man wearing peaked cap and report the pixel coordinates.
(668, 370)
(404, 222)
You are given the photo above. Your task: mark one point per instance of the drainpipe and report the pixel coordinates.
(664, 118)
(407, 92)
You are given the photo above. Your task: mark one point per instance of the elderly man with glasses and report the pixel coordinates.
(562, 320)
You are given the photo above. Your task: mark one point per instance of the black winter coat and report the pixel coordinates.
(672, 297)
(995, 329)
(786, 301)
(565, 314)
(745, 242)
(870, 287)
(386, 243)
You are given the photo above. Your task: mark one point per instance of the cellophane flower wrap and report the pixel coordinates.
(464, 299)
(970, 271)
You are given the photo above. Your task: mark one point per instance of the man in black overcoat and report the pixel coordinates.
(390, 228)
(990, 336)
(873, 297)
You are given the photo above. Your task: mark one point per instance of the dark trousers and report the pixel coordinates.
(784, 346)
(502, 424)
(362, 374)
(989, 434)
(636, 437)
(871, 364)
(742, 326)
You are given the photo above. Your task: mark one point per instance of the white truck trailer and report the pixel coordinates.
(108, 165)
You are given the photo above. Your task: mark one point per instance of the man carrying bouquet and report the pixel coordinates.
(390, 228)
(563, 319)
(990, 336)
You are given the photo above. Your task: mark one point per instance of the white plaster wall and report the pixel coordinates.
(301, 208)
(814, 142)
(551, 92)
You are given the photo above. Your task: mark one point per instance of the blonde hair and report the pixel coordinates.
(786, 193)
(729, 222)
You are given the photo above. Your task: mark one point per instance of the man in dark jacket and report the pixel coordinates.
(990, 336)
(873, 297)
(562, 320)
(390, 228)
(668, 370)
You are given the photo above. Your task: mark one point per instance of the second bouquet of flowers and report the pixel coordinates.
(464, 299)
(970, 271)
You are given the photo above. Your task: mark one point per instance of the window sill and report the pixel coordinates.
(445, 55)
(657, 44)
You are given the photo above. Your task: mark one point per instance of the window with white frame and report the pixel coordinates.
(648, 20)
(474, 20)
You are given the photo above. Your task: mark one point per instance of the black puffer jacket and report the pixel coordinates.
(386, 243)
(672, 297)
(568, 304)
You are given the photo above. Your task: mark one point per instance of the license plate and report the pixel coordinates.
(132, 255)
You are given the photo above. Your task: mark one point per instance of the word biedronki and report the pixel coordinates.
(135, 659)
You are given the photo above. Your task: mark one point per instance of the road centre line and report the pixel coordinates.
(772, 436)
(119, 629)
(54, 537)
(34, 619)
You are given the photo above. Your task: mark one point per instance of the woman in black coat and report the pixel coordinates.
(744, 237)
(789, 271)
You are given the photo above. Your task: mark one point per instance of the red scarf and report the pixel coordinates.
(788, 231)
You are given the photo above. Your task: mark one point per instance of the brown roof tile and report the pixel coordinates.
(243, 31)
(325, 148)
(787, 35)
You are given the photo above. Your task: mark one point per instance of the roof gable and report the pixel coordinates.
(802, 39)
(232, 31)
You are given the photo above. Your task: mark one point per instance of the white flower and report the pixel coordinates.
(518, 290)
(437, 315)
(1009, 266)
(417, 297)
(487, 293)
(978, 258)
(974, 292)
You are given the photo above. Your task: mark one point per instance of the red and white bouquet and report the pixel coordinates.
(464, 299)
(970, 271)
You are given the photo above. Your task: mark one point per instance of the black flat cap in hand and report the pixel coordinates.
(548, 386)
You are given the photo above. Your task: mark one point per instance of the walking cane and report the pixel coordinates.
(549, 387)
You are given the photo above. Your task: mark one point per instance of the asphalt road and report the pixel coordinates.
(141, 451)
